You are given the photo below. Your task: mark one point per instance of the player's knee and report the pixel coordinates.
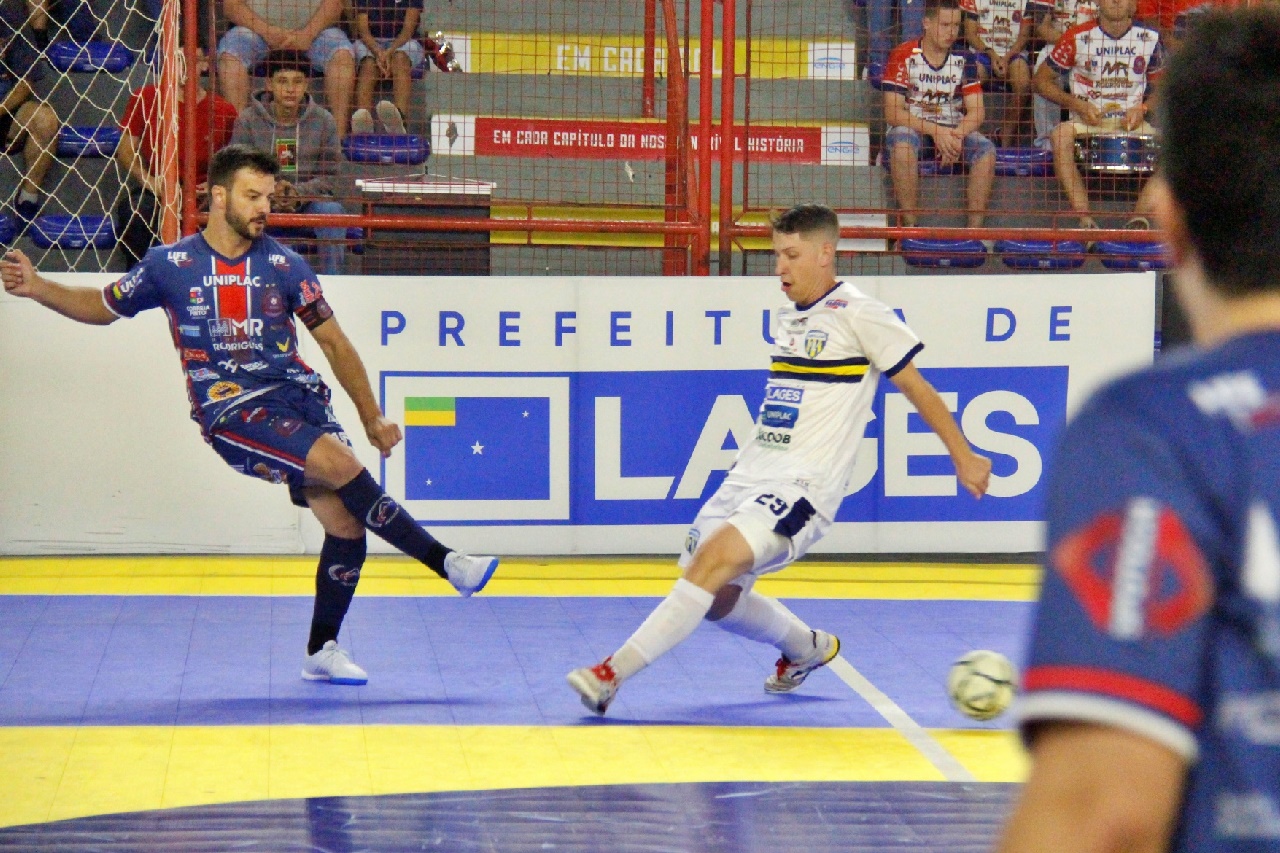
(726, 599)
(331, 463)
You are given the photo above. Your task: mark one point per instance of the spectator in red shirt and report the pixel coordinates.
(137, 212)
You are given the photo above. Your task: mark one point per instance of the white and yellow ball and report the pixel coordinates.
(982, 683)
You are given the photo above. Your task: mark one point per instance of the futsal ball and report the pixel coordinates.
(982, 683)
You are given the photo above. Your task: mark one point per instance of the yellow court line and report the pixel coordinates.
(56, 773)
(400, 576)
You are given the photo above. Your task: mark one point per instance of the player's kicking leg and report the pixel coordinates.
(716, 586)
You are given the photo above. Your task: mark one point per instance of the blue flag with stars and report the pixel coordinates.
(477, 448)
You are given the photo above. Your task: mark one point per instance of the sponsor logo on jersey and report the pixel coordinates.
(779, 417)
(219, 391)
(198, 311)
(189, 331)
(126, 285)
(222, 328)
(278, 261)
(252, 416)
(194, 355)
(311, 291)
(773, 440)
(283, 346)
(202, 374)
(836, 303)
(1136, 572)
(691, 540)
(179, 259)
(815, 341)
(782, 394)
(196, 296)
(1139, 64)
(271, 475)
(237, 346)
(345, 576)
(382, 512)
(230, 279)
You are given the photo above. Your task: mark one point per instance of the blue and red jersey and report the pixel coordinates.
(232, 319)
(1160, 612)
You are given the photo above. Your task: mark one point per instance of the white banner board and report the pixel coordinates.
(559, 416)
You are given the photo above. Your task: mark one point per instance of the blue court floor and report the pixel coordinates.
(179, 722)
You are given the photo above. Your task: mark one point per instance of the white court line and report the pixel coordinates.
(946, 763)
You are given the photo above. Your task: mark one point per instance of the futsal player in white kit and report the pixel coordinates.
(783, 491)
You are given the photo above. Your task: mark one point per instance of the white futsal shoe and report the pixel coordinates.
(469, 574)
(791, 674)
(334, 665)
(392, 120)
(595, 685)
(362, 122)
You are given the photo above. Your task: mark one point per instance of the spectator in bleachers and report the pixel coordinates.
(998, 32)
(300, 25)
(27, 124)
(303, 137)
(1113, 65)
(932, 90)
(1052, 20)
(385, 49)
(137, 212)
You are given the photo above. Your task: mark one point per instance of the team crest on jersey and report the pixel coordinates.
(224, 391)
(180, 259)
(280, 262)
(691, 540)
(815, 341)
(272, 303)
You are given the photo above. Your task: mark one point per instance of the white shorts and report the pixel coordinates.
(778, 521)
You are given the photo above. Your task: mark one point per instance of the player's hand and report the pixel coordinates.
(383, 60)
(1089, 113)
(19, 276)
(384, 434)
(1134, 117)
(974, 473)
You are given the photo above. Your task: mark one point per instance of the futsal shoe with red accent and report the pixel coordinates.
(595, 685)
(791, 674)
(469, 574)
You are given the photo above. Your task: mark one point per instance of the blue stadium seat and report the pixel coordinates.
(88, 141)
(1122, 255)
(386, 148)
(112, 57)
(964, 254)
(72, 232)
(1041, 254)
(1024, 162)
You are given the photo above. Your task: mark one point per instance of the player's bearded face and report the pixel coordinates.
(249, 202)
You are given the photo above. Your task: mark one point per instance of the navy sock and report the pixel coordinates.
(336, 579)
(376, 510)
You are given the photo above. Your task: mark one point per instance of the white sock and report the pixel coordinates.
(760, 618)
(23, 195)
(671, 621)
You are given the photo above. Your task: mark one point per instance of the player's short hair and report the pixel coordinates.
(808, 220)
(933, 7)
(224, 164)
(1220, 105)
(288, 60)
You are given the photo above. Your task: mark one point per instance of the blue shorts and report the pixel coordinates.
(251, 49)
(976, 146)
(412, 49)
(984, 59)
(270, 435)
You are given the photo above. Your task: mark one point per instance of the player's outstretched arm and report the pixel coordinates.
(972, 469)
(79, 303)
(349, 370)
(1096, 788)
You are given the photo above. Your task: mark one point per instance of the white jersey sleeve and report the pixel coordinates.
(885, 340)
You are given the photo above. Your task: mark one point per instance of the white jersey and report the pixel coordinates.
(827, 360)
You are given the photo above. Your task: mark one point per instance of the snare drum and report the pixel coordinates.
(1117, 153)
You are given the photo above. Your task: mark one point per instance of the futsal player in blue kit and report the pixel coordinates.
(231, 295)
(1152, 691)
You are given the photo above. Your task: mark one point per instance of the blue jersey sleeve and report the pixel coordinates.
(304, 297)
(138, 290)
(1121, 629)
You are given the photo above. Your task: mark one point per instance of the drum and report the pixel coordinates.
(1117, 153)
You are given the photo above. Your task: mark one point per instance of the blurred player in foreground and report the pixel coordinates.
(231, 295)
(1153, 683)
(787, 483)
